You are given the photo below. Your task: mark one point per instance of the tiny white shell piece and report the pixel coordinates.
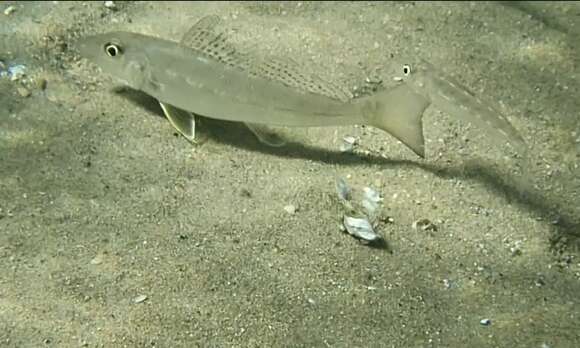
(342, 189)
(360, 228)
(140, 298)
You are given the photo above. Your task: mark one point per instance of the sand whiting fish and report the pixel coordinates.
(204, 74)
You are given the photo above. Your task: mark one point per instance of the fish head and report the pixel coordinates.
(120, 54)
(449, 96)
(425, 79)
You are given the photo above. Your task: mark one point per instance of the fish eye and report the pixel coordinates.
(406, 70)
(113, 50)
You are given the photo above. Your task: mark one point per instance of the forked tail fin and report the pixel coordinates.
(399, 112)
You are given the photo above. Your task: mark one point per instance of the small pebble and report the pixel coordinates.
(290, 209)
(424, 225)
(485, 322)
(387, 220)
(110, 5)
(24, 93)
(348, 144)
(16, 72)
(349, 139)
(9, 10)
(96, 261)
(140, 298)
(447, 283)
(41, 84)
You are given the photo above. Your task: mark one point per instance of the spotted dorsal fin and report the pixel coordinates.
(208, 38)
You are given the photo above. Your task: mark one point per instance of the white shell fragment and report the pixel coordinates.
(290, 209)
(371, 200)
(9, 10)
(342, 189)
(14, 72)
(348, 144)
(360, 228)
(424, 225)
(97, 260)
(140, 298)
(110, 5)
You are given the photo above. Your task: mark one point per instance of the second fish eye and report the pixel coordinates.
(112, 50)
(406, 69)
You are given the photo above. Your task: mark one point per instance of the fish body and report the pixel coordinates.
(448, 95)
(203, 74)
(190, 80)
(179, 76)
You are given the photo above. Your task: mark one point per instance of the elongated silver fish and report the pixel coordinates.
(205, 75)
(448, 95)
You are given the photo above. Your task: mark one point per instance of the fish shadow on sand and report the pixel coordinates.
(565, 226)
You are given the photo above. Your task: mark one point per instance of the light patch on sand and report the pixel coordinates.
(545, 53)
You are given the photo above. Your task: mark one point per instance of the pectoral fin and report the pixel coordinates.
(181, 120)
(266, 135)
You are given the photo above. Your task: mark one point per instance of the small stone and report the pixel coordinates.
(447, 283)
(424, 225)
(16, 72)
(110, 5)
(9, 10)
(97, 260)
(140, 299)
(485, 322)
(349, 139)
(387, 220)
(348, 144)
(290, 209)
(41, 84)
(516, 249)
(23, 91)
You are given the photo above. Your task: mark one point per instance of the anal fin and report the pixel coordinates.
(266, 135)
(181, 120)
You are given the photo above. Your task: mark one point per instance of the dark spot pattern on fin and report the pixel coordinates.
(288, 72)
(206, 37)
